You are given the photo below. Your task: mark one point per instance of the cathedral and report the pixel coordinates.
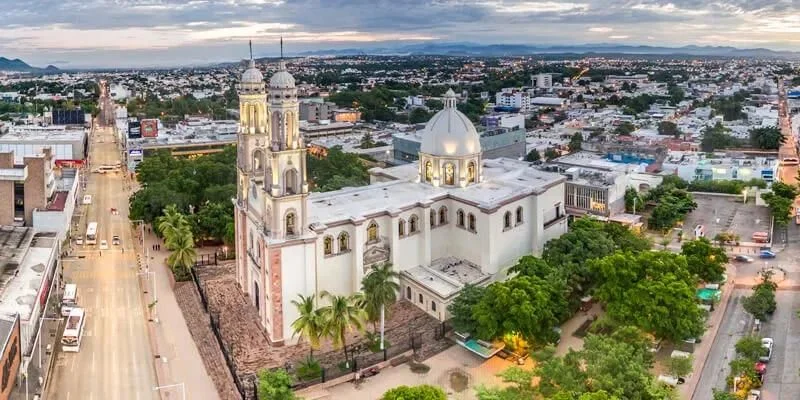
(448, 220)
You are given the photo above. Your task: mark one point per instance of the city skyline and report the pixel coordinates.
(142, 33)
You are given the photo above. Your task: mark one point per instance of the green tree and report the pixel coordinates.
(551, 153)
(762, 302)
(668, 128)
(576, 142)
(336, 170)
(421, 392)
(749, 347)
(779, 207)
(275, 385)
(769, 137)
(310, 324)
(213, 219)
(340, 316)
(172, 223)
(633, 200)
(418, 116)
(723, 395)
(533, 156)
(380, 289)
(619, 368)
(676, 94)
(717, 137)
(705, 260)
(367, 142)
(518, 386)
(680, 366)
(527, 305)
(462, 308)
(561, 374)
(183, 255)
(434, 104)
(624, 129)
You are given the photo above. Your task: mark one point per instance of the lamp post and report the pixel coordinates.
(155, 293)
(181, 385)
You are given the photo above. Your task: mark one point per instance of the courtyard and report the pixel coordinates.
(724, 213)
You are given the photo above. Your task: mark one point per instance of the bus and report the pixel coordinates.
(70, 299)
(73, 331)
(91, 233)
(790, 161)
(104, 169)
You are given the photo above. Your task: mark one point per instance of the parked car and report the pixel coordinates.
(754, 395)
(761, 370)
(743, 258)
(115, 240)
(767, 344)
(103, 245)
(767, 254)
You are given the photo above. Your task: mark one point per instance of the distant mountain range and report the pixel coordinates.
(495, 50)
(21, 66)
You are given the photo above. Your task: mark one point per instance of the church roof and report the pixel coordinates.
(252, 74)
(505, 180)
(282, 79)
(450, 133)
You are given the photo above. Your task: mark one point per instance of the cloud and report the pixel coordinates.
(131, 32)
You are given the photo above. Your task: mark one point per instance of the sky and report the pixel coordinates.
(144, 33)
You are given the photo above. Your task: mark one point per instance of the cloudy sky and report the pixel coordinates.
(103, 33)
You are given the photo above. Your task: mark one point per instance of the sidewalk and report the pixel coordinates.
(178, 360)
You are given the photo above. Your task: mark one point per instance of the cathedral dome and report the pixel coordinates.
(450, 133)
(252, 74)
(282, 79)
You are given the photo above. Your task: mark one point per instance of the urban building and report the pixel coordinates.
(692, 166)
(315, 111)
(68, 145)
(638, 79)
(448, 220)
(555, 102)
(504, 120)
(315, 130)
(495, 142)
(346, 115)
(542, 81)
(10, 353)
(513, 98)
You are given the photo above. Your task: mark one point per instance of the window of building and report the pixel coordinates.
(449, 174)
(290, 182)
(401, 227)
(432, 218)
(408, 292)
(433, 305)
(519, 215)
(290, 224)
(414, 225)
(421, 299)
(328, 244)
(443, 215)
(344, 242)
(471, 172)
(507, 220)
(428, 171)
(471, 219)
(460, 218)
(372, 232)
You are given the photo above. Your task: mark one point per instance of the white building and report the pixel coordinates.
(450, 219)
(542, 81)
(515, 98)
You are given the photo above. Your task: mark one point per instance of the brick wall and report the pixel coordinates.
(7, 191)
(34, 187)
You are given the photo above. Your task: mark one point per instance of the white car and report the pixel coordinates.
(754, 395)
(103, 245)
(767, 344)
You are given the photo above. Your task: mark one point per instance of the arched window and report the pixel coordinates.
(460, 218)
(471, 172)
(471, 220)
(328, 244)
(432, 217)
(401, 227)
(344, 242)
(256, 295)
(290, 224)
(290, 182)
(428, 171)
(421, 299)
(372, 232)
(433, 305)
(414, 224)
(507, 220)
(449, 174)
(519, 215)
(443, 215)
(258, 160)
(408, 292)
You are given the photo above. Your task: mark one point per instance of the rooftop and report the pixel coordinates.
(446, 276)
(32, 133)
(504, 179)
(24, 268)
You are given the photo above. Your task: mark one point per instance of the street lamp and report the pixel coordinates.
(155, 293)
(181, 385)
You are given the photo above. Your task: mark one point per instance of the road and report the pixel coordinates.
(115, 361)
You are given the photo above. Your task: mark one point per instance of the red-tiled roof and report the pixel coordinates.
(59, 200)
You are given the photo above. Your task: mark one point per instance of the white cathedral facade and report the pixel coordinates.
(445, 221)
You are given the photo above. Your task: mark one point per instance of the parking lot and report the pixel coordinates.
(727, 214)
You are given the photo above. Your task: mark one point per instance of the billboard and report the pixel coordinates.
(149, 128)
(69, 117)
(134, 129)
(135, 153)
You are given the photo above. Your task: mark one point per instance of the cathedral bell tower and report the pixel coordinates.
(254, 132)
(285, 184)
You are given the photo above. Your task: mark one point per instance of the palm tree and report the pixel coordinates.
(341, 315)
(380, 288)
(171, 222)
(309, 324)
(183, 252)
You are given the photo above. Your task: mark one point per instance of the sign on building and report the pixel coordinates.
(149, 128)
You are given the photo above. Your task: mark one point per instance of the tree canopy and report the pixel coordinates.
(668, 128)
(336, 170)
(705, 260)
(462, 308)
(780, 201)
(769, 137)
(421, 392)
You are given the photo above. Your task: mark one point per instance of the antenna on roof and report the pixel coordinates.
(251, 49)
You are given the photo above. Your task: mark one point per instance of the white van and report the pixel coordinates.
(79, 239)
(70, 299)
(87, 199)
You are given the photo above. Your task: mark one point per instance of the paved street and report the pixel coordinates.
(115, 361)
